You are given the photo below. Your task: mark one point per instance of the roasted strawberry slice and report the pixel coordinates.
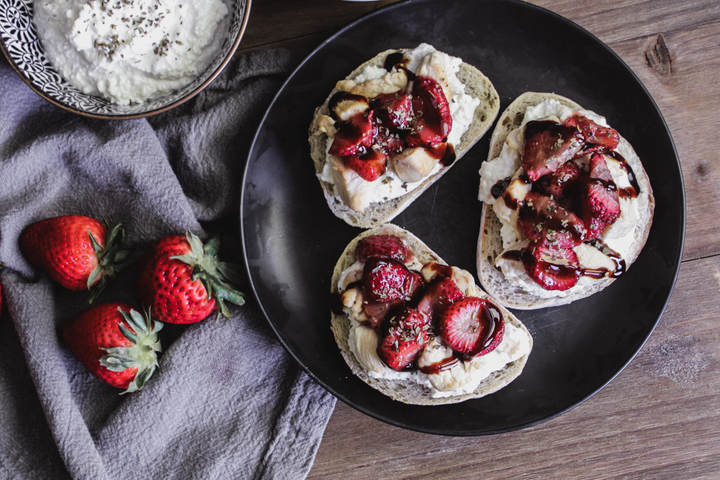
(564, 184)
(552, 268)
(602, 198)
(388, 246)
(543, 220)
(548, 145)
(404, 337)
(433, 120)
(394, 110)
(377, 312)
(440, 294)
(385, 279)
(593, 225)
(597, 137)
(355, 136)
(472, 326)
(370, 166)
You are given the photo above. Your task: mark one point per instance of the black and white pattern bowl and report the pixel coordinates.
(22, 47)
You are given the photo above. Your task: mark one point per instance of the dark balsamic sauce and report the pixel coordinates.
(525, 257)
(634, 189)
(444, 364)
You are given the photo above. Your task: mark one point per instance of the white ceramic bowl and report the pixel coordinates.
(22, 47)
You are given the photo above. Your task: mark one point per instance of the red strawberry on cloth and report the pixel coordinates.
(183, 281)
(76, 251)
(404, 338)
(115, 343)
(472, 326)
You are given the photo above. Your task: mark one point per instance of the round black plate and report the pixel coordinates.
(292, 240)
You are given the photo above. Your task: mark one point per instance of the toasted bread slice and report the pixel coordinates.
(476, 85)
(490, 244)
(403, 389)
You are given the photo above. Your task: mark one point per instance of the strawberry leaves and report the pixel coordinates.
(112, 259)
(142, 354)
(217, 277)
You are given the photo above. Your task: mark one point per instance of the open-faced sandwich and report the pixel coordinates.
(393, 127)
(418, 330)
(567, 204)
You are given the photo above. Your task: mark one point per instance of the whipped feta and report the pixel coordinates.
(130, 50)
(618, 237)
(351, 188)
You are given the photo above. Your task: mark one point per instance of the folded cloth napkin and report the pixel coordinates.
(227, 402)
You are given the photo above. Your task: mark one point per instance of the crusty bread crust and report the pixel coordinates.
(408, 391)
(476, 85)
(490, 241)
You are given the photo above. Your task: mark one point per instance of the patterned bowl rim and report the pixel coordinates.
(179, 101)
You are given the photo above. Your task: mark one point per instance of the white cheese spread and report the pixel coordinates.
(619, 237)
(130, 50)
(423, 60)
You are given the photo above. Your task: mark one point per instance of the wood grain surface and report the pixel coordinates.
(660, 418)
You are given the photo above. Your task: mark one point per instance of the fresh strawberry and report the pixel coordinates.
(472, 326)
(385, 280)
(183, 281)
(547, 146)
(552, 268)
(388, 246)
(76, 251)
(115, 343)
(432, 114)
(369, 166)
(597, 137)
(355, 136)
(440, 294)
(405, 336)
(602, 198)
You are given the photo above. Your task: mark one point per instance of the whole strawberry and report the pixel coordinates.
(115, 343)
(183, 281)
(76, 251)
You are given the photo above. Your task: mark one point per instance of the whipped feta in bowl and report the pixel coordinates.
(122, 58)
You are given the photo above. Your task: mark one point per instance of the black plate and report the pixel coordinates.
(292, 241)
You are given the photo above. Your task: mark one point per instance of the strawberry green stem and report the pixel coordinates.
(111, 259)
(218, 278)
(143, 333)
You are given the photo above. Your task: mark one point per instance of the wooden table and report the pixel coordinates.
(660, 418)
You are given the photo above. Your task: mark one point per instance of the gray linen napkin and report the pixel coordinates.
(227, 401)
